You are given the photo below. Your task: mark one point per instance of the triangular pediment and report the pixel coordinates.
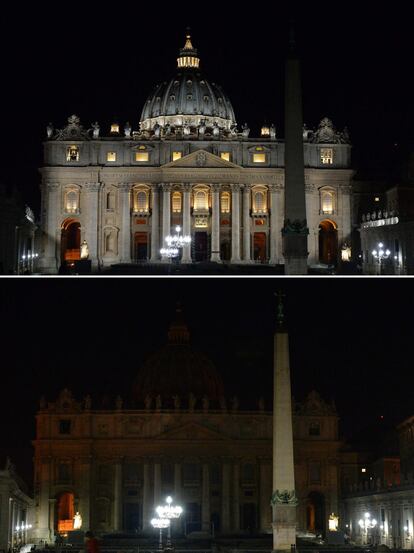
(191, 431)
(202, 159)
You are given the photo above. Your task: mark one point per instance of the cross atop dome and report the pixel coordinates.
(188, 55)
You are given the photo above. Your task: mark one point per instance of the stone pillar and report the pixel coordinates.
(52, 511)
(50, 257)
(265, 487)
(85, 494)
(284, 497)
(147, 508)
(295, 230)
(157, 483)
(125, 210)
(44, 491)
(155, 225)
(90, 191)
(236, 496)
(235, 224)
(246, 224)
(225, 497)
(118, 497)
(275, 224)
(177, 482)
(205, 500)
(5, 526)
(186, 258)
(166, 212)
(215, 223)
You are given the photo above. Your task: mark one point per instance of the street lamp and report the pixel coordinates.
(381, 254)
(169, 511)
(367, 523)
(160, 523)
(175, 242)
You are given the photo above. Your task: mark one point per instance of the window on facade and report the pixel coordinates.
(327, 202)
(115, 128)
(65, 426)
(200, 200)
(111, 156)
(72, 153)
(314, 429)
(141, 156)
(315, 473)
(247, 472)
(64, 472)
(191, 472)
(71, 202)
(259, 158)
(225, 156)
(326, 156)
(259, 202)
(176, 202)
(225, 202)
(110, 200)
(141, 203)
(176, 155)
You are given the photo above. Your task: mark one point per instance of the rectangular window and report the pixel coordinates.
(64, 472)
(191, 473)
(141, 156)
(314, 473)
(64, 426)
(72, 153)
(259, 158)
(326, 156)
(225, 156)
(111, 156)
(176, 155)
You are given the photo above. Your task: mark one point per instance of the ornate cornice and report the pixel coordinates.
(124, 187)
(91, 186)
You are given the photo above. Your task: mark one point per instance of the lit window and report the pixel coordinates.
(176, 155)
(72, 153)
(115, 128)
(265, 131)
(327, 203)
(326, 156)
(71, 201)
(259, 201)
(225, 202)
(111, 156)
(200, 200)
(225, 156)
(376, 199)
(141, 203)
(176, 202)
(363, 470)
(259, 158)
(141, 156)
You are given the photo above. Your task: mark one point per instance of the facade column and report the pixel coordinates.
(84, 507)
(177, 482)
(246, 224)
(275, 224)
(90, 234)
(52, 510)
(118, 497)
(235, 223)
(50, 259)
(157, 483)
(215, 224)
(186, 258)
(155, 225)
(236, 496)
(43, 497)
(225, 505)
(125, 210)
(166, 212)
(205, 500)
(146, 507)
(265, 492)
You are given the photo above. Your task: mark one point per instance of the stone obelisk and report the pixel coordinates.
(283, 498)
(295, 230)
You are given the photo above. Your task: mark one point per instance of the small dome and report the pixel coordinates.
(177, 369)
(188, 98)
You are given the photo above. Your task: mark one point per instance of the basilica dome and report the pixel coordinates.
(188, 99)
(178, 370)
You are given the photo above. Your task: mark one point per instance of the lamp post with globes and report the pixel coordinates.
(367, 523)
(169, 511)
(174, 243)
(381, 254)
(160, 523)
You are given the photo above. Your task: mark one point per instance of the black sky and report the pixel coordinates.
(102, 61)
(349, 339)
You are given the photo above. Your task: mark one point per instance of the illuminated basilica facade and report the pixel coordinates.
(180, 435)
(188, 165)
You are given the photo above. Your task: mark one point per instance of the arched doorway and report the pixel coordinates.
(259, 246)
(315, 513)
(70, 241)
(65, 512)
(200, 246)
(328, 242)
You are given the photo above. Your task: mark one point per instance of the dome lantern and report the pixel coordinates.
(188, 55)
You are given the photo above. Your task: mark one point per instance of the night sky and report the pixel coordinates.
(349, 339)
(102, 62)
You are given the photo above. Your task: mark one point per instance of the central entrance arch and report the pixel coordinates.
(65, 512)
(315, 513)
(70, 241)
(328, 242)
